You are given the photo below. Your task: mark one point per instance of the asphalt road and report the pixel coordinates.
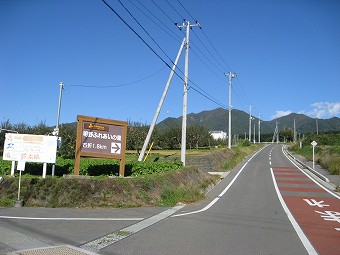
(242, 215)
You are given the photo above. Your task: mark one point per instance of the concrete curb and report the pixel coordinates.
(322, 177)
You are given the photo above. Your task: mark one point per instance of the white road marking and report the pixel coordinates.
(309, 247)
(222, 193)
(71, 219)
(116, 236)
(333, 194)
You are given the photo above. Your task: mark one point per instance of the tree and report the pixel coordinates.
(136, 134)
(68, 134)
(171, 138)
(287, 135)
(198, 136)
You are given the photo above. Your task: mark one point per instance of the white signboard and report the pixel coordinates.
(30, 148)
(21, 166)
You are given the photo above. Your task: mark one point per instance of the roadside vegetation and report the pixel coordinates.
(327, 151)
(159, 181)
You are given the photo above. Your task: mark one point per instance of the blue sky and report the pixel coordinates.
(286, 54)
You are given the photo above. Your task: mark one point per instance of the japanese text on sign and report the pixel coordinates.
(101, 139)
(30, 148)
(104, 136)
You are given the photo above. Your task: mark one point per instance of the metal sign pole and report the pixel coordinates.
(19, 185)
(313, 144)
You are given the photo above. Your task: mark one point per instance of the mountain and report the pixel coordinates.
(217, 119)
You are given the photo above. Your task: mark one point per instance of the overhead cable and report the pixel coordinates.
(118, 85)
(134, 31)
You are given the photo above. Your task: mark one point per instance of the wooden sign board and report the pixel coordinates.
(100, 138)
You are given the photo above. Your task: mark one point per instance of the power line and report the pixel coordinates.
(134, 31)
(195, 87)
(172, 21)
(216, 50)
(175, 10)
(186, 10)
(172, 34)
(222, 70)
(146, 31)
(118, 85)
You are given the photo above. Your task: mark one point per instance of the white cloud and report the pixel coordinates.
(325, 110)
(281, 114)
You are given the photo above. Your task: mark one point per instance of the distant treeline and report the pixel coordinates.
(170, 138)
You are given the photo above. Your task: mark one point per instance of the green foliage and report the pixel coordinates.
(68, 135)
(172, 196)
(286, 135)
(324, 139)
(197, 136)
(171, 138)
(334, 165)
(95, 167)
(239, 153)
(5, 167)
(327, 152)
(145, 168)
(136, 134)
(159, 189)
(245, 143)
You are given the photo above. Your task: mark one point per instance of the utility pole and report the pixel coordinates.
(231, 75)
(276, 133)
(317, 126)
(254, 134)
(259, 128)
(160, 104)
(250, 118)
(294, 132)
(187, 25)
(56, 130)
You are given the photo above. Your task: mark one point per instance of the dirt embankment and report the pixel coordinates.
(184, 186)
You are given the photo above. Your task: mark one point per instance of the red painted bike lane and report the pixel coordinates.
(315, 210)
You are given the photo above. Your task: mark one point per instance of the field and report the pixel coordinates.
(160, 181)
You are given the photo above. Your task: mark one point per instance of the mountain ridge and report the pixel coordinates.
(217, 119)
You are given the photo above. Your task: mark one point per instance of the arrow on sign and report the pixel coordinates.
(115, 148)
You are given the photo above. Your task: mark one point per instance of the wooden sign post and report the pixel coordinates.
(100, 138)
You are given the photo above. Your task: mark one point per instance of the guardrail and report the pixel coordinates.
(302, 164)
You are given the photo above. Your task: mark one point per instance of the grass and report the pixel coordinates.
(164, 189)
(186, 185)
(239, 153)
(327, 156)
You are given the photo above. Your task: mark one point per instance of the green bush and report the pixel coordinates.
(5, 167)
(245, 143)
(327, 151)
(171, 196)
(95, 167)
(145, 168)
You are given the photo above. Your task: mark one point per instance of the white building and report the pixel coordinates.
(219, 135)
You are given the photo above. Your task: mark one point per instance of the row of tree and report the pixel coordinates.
(197, 136)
